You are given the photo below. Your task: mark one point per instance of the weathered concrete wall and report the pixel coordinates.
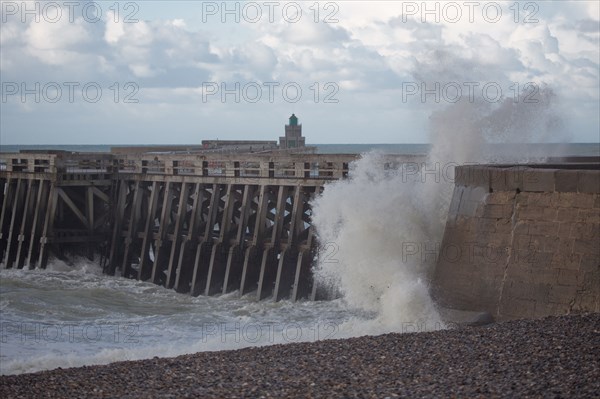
(522, 242)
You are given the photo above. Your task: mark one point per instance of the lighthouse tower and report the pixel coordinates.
(293, 135)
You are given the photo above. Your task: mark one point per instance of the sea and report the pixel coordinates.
(537, 150)
(71, 314)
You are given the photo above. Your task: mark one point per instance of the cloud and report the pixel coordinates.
(369, 53)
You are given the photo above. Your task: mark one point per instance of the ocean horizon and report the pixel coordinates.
(531, 149)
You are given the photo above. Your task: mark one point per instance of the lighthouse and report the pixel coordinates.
(293, 134)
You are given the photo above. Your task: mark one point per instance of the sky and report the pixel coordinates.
(178, 72)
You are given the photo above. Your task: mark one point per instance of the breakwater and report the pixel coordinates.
(522, 241)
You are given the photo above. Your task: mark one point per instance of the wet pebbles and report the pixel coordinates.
(553, 357)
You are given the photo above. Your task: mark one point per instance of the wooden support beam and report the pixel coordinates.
(225, 223)
(278, 217)
(65, 197)
(181, 213)
(216, 268)
(212, 212)
(90, 213)
(269, 259)
(234, 258)
(25, 224)
(97, 192)
(5, 215)
(47, 231)
(131, 230)
(144, 271)
(165, 215)
(259, 225)
(296, 217)
(40, 209)
(202, 260)
(116, 241)
(182, 274)
(12, 229)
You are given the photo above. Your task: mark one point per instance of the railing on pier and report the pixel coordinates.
(301, 166)
(298, 166)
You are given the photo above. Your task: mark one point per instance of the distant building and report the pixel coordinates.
(293, 135)
(255, 145)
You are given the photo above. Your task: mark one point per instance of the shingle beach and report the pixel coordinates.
(553, 357)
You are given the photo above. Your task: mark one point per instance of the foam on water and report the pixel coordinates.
(72, 315)
(385, 226)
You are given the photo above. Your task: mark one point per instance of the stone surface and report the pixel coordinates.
(550, 239)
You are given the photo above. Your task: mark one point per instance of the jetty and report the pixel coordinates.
(201, 222)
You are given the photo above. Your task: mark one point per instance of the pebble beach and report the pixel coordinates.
(552, 357)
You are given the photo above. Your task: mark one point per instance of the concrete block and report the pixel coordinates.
(591, 281)
(472, 176)
(586, 231)
(570, 277)
(497, 180)
(516, 308)
(566, 261)
(500, 197)
(467, 208)
(588, 181)
(533, 212)
(465, 223)
(522, 199)
(565, 181)
(497, 211)
(455, 202)
(541, 199)
(566, 200)
(521, 241)
(548, 228)
(587, 302)
(530, 212)
(564, 229)
(523, 257)
(546, 276)
(586, 247)
(550, 213)
(540, 180)
(488, 257)
(527, 290)
(461, 175)
(486, 225)
(541, 260)
(562, 294)
(567, 214)
(549, 309)
(590, 263)
(589, 215)
(545, 243)
(514, 178)
(584, 200)
(522, 227)
(504, 226)
(565, 245)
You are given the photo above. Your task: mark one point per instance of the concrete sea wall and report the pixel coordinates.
(522, 242)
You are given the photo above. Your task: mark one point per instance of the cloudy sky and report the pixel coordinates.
(149, 72)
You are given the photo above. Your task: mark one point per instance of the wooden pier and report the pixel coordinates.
(200, 223)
